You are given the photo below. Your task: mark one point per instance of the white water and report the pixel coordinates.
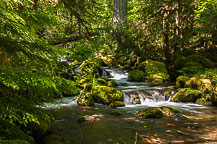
(157, 99)
(142, 92)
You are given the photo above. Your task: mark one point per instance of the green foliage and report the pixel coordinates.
(66, 87)
(193, 64)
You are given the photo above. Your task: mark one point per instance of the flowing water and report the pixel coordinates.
(105, 126)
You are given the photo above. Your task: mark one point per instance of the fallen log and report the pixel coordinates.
(74, 37)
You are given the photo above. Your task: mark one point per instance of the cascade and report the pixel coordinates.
(135, 93)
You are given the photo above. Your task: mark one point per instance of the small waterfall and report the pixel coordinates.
(114, 73)
(143, 96)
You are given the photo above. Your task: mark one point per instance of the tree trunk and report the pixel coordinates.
(119, 11)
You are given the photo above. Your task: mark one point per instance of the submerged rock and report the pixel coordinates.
(151, 112)
(116, 104)
(186, 95)
(81, 119)
(53, 139)
(115, 113)
(158, 112)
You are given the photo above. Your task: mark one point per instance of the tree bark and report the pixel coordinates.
(119, 11)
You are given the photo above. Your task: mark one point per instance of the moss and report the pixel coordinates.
(155, 71)
(214, 96)
(152, 67)
(180, 81)
(203, 85)
(101, 81)
(202, 101)
(112, 83)
(13, 133)
(85, 99)
(151, 112)
(116, 104)
(136, 75)
(186, 95)
(158, 112)
(158, 78)
(91, 66)
(169, 111)
(106, 95)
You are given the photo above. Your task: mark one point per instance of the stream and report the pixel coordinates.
(103, 125)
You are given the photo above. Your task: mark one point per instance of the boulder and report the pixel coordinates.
(202, 101)
(115, 113)
(116, 104)
(186, 95)
(155, 71)
(136, 75)
(106, 95)
(158, 112)
(85, 99)
(151, 112)
(180, 81)
(203, 85)
(214, 96)
(91, 66)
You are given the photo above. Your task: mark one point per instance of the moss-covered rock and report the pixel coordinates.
(152, 67)
(112, 83)
(202, 101)
(85, 99)
(214, 96)
(136, 75)
(155, 71)
(10, 133)
(116, 104)
(91, 66)
(158, 78)
(151, 112)
(180, 81)
(186, 95)
(158, 112)
(102, 81)
(169, 111)
(203, 85)
(106, 95)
